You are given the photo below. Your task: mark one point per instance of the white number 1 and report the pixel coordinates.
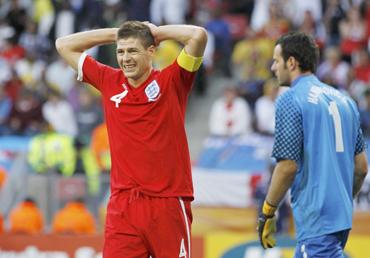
(333, 111)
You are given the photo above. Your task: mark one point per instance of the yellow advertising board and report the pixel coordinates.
(238, 245)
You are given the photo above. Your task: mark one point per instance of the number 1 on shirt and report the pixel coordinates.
(333, 111)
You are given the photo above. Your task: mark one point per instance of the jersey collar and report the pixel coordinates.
(302, 77)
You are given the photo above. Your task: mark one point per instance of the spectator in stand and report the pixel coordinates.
(11, 51)
(265, 108)
(74, 218)
(88, 115)
(365, 114)
(223, 41)
(230, 115)
(276, 24)
(16, 17)
(294, 10)
(251, 57)
(314, 28)
(100, 147)
(60, 76)
(6, 72)
(5, 109)
(35, 43)
(30, 70)
(1, 223)
(26, 218)
(333, 70)
(335, 11)
(139, 10)
(3, 177)
(168, 11)
(26, 116)
(59, 114)
(13, 86)
(43, 15)
(361, 63)
(353, 32)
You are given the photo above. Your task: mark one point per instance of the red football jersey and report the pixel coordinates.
(148, 144)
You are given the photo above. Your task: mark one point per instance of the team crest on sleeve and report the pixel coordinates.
(152, 91)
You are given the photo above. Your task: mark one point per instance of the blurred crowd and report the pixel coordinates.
(40, 96)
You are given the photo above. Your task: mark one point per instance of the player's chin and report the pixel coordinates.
(129, 74)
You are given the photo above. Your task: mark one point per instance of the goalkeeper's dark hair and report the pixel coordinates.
(302, 47)
(136, 29)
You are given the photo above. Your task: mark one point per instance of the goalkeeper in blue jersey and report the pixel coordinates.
(320, 154)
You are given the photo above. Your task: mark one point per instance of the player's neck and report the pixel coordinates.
(295, 75)
(137, 82)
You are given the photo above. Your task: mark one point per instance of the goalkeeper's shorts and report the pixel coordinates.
(331, 245)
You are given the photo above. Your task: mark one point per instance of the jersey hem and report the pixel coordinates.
(323, 234)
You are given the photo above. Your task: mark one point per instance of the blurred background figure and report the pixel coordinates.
(168, 11)
(5, 108)
(26, 218)
(26, 115)
(265, 108)
(365, 114)
(100, 147)
(74, 218)
(88, 115)
(333, 70)
(3, 177)
(1, 223)
(59, 114)
(353, 32)
(230, 115)
(220, 30)
(60, 76)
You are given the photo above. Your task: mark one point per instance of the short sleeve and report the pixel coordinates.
(91, 71)
(360, 143)
(288, 129)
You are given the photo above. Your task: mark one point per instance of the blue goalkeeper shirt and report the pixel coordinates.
(319, 128)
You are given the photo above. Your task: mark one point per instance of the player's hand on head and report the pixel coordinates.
(154, 30)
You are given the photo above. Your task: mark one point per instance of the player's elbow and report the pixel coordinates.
(361, 165)
(287, 168)
(200, 35)
(60, 45)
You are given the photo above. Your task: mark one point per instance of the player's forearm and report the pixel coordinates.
(357, 183)
(282, 179)
(194, 38)
(81, 41)
(72, 46)
(361, 167)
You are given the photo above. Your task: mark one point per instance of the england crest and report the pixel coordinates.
(152, 91)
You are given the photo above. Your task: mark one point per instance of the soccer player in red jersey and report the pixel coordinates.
(149, 210)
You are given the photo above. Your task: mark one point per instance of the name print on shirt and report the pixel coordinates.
(118, 98)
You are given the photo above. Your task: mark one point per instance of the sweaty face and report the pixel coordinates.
(134, 60)
(279, 67)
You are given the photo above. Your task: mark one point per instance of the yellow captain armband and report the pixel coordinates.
(268, 209)
(188, 62)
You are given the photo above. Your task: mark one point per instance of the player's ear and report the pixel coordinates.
(292, 63)
(151, 50)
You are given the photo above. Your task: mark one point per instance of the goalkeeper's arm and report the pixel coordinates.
(359, 172)
(282, 179)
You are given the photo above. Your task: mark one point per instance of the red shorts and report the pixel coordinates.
(141, 226)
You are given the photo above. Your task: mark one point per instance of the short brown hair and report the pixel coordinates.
(302, 47)
(136, 29)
